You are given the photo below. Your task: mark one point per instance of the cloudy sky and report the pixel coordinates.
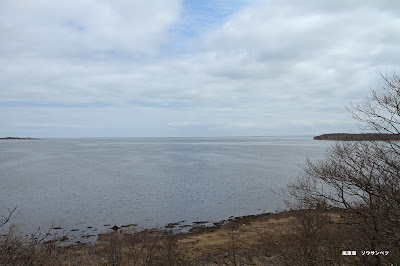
(104, 68)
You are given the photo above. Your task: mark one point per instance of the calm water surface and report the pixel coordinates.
(80, 183)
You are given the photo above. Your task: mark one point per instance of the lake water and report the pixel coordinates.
(99, 182)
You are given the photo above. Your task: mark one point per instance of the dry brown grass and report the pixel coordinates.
(306, 237)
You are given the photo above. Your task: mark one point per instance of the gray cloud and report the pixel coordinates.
(272, 67)
(83, 29)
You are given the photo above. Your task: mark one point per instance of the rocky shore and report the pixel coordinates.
(285, 238)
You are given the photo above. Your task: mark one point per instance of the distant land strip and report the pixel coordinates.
(15, 138)
(358, 137)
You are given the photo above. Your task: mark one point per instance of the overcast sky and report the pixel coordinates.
(114, 68)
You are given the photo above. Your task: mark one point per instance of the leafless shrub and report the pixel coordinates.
(173, 251)
(149, 242)
(38, 248)
(112, 250)
(361, 179)
(266, 245)
(4, 219)
(134, 247)
(234, 244)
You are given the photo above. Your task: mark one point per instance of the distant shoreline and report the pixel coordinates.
(358, 137)
(12, 138)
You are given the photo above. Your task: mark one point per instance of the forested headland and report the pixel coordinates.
(358, 137)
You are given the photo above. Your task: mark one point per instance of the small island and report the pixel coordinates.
(358, 137)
